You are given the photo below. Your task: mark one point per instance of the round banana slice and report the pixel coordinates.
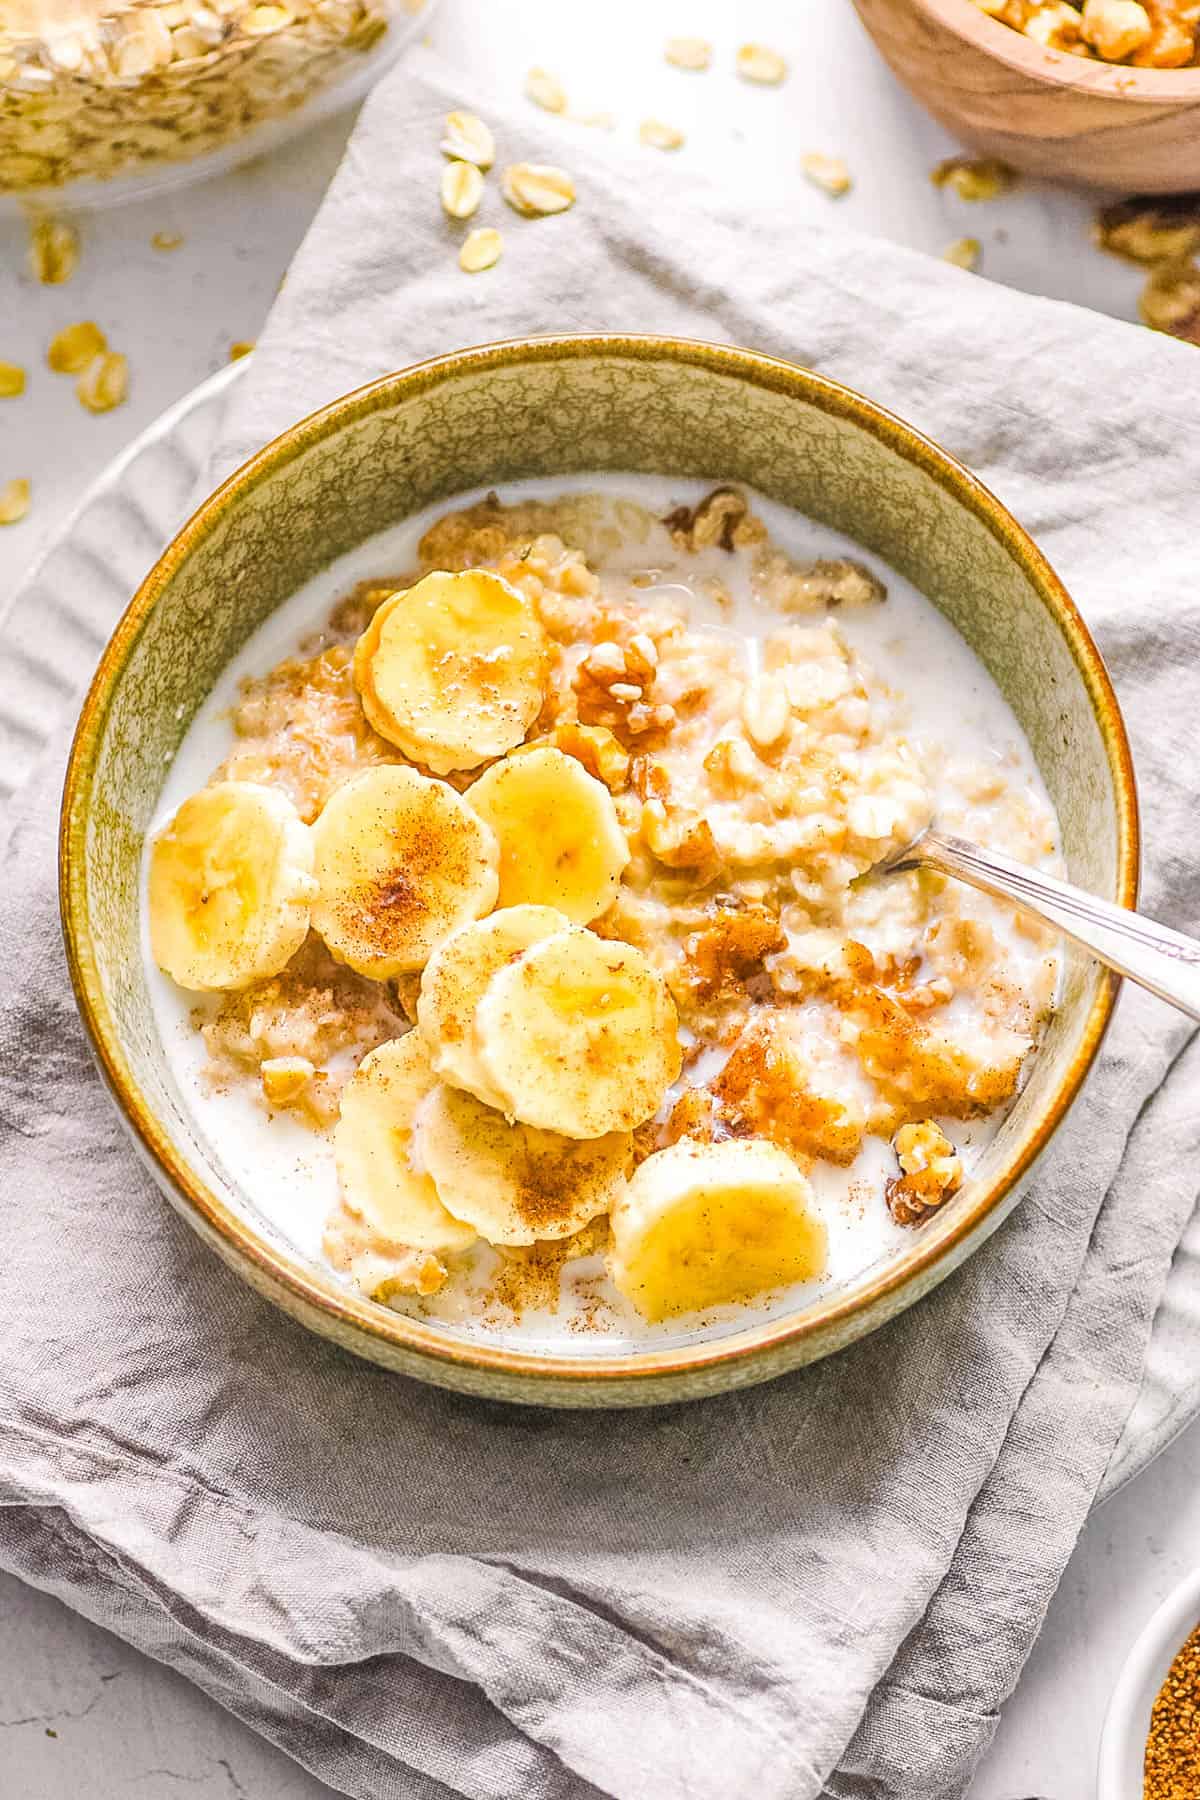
(454, 981)
(401, 861)
(372, 1141)
(453, 669)
(561, 842)
(701, 1224)
(579, 1035)
(512, 1184)
(230, 887)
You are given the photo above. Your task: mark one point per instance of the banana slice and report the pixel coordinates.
(701, 1224)
(372, 1141)
(454, 981)
(561, 842)
(512, 1184)
(579, 1035)
(453, 669)
(401, 861)
(231, 887)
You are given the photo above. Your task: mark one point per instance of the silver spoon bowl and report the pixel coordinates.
(1165, 961)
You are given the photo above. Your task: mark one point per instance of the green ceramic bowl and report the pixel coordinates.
(545, 407)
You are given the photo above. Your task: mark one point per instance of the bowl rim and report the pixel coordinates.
(1127, 1717)
(298, 1285)
(1057, 68)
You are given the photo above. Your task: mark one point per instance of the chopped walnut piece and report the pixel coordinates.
(963, 253)
(592, 745)
(284, 1079)
(1160, 228)
(614, 688)
(931, 1170)
(974, 178)
(723, 518)
(1115, 28)
(1056, 26)
(723, 954)
(767, 1089)
(1172, 40)
(679, 839)
(1170, 301)
(809, 587)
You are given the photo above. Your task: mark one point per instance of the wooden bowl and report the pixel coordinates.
(1073, 119)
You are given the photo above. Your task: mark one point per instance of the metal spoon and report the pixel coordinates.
(1155, 957)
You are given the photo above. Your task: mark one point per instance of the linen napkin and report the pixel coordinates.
(823, 1586)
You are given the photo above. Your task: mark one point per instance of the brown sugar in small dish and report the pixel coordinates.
(1172, 1768)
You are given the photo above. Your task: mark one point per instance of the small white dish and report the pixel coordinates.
(1127, 1721)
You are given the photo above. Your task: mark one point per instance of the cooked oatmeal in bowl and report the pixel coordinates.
(520, 939)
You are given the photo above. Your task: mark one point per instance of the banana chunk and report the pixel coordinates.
(579, 1035)
(401, 861)
(230, 887)
(372, 1141)
(561, 842)
(512, 1183)
(701, 1224)
(453, 669)
(454, 981)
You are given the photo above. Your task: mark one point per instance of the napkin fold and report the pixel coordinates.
(823, 1586)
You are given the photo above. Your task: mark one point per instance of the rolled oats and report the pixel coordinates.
(12, 380)
(659, 136)
(537, 189)
(14, 501)
(827, 172)
(974, 178)
(105, 383)
(964, 253)
(76, 347)
(165, 80)
(239, 348)
(53, 244)
(688, 52)
(462, 189)
(481, 249)
(468, 139)
(546, 91)
(766, 68)
(166, 240)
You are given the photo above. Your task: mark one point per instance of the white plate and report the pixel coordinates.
(60, 618)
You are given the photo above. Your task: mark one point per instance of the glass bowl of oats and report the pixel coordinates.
(1096, 92)
(111, 100)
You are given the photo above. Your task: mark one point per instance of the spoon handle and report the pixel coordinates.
(1155, 957)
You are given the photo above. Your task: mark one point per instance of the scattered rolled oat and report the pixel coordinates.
(1170, 301)
(660, 136)
(689, 52)
(76, 347)
(53, 251)
(828, 172)
(481, 250)
(241, 347)
(12, 380)
(766, 68)
(598, 121)
(105, 383)
(537, 189)
(166, 240)
(964, 253)
(14, 501)
(1157, 229)
(546, 91)
(468, 139)
(462, 189)
(974, 178)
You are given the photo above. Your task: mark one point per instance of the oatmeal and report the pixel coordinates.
(565, 971)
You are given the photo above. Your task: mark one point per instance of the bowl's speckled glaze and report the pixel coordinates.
(543, 407)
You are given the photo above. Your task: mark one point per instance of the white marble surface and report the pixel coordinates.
(80, 1712)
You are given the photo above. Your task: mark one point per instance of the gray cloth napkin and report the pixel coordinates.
(826, 1585)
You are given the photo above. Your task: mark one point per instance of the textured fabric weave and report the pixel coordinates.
(827, 1585)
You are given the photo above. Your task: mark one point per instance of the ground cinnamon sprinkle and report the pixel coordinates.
(1172, 1769)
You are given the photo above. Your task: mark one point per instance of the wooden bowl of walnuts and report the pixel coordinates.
(1103, 93)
